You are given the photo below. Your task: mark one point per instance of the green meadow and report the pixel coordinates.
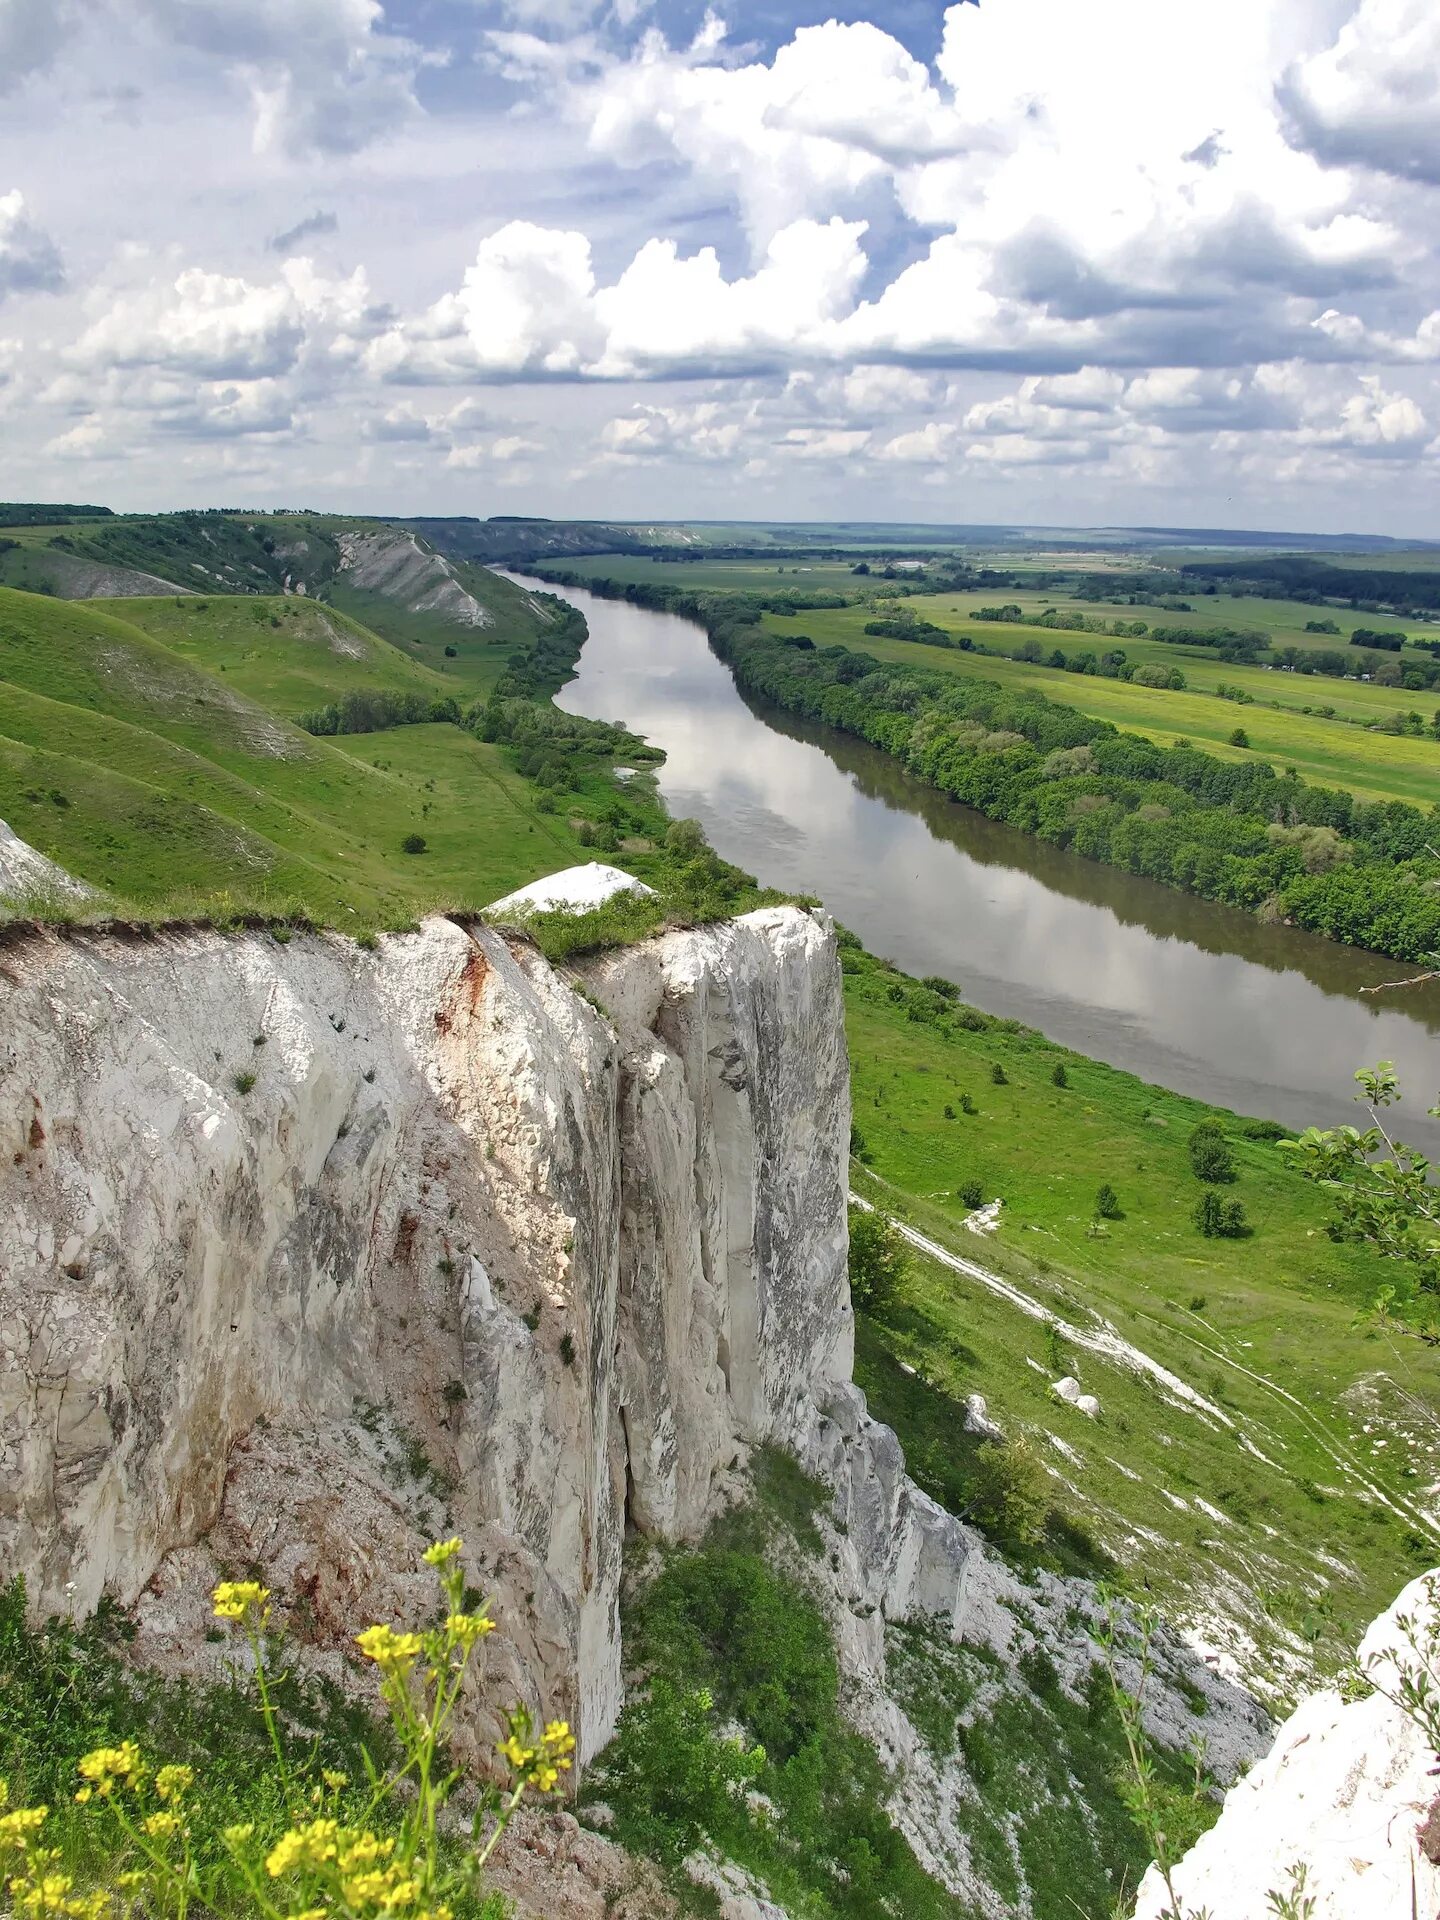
(1299, 1480)
(1328, 751)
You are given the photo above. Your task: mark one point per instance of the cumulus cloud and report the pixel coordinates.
(29, 259)
(219, 326)
(324, 75)
(530, 307)
(1373, 97)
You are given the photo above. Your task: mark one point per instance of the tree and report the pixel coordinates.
(1210, 1154)
(1107, 1202)
(1058, 1076)
(1219, 1219)
(413, 843)
(1383, 1197)
(877, 1258)
(1008, 1496)
(998, 1075)
(1239, 738)
(685, 838)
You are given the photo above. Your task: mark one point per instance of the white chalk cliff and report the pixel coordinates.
(309, 1251)
(1345, 1807)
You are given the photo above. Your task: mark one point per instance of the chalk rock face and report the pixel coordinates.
(1342, 1798)
(25, 872)
(287, 1221)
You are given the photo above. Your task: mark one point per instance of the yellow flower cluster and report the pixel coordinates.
(392, 1652)
(48, 1895)
(110, 1767)
(354, 1859)
(242, 1601)
(542, 1764)
(443, 1552)
(465, 1629)
(37, 1891)
(173, 1783)
(19, 1827)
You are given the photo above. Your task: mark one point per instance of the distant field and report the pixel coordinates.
(1377, 766)
(747, 576)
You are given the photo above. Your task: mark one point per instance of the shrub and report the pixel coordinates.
(243, 1081)
(1217, 1218)
(413, 843)
(999, 1075)
(1058, 1076)
(1239, 738)
(1008, 1495)
(967, 1105)
(1210, 1154)
(1107, 1202)
(971, 1195)
(877, 1258)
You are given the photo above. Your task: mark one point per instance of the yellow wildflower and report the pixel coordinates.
(161, 1826)
(236, 1836)
(241, 1600)
(172, 1782)
(392, 1652)
(335, 1781)
(109, 1767)
(17, 1829)
(466, 1628)
(443, 1551)
(308, 1846)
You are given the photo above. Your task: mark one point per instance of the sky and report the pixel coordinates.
(1032, 261)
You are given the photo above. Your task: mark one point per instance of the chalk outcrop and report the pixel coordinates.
(1343, 1811)
(291, 1232)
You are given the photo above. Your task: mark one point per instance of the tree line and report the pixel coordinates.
(1360, 872)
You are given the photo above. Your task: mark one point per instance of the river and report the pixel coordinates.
(1186, 994)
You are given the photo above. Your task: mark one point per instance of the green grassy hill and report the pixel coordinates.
(154, 771)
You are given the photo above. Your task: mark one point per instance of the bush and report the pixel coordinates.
(1239, 738)
(999, 1076)
(1210, 1154)
(1008, 1495)
(1217, 1218)
(971, 1195)
(1058, 1076)
(1107, 1203)
(877, 1258)
(413, 843)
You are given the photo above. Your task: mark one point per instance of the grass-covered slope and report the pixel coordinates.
(151, 776)
(1295, 1460)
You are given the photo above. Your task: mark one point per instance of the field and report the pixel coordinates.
(707, 575)
(1331, 752)
(152, 777)
(1306, 1520)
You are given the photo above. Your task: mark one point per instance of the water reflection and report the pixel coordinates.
(1198, 997)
